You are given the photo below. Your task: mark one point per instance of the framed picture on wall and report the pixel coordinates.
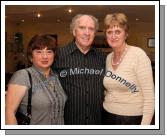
(151, 42)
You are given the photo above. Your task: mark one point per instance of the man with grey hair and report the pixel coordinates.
(81, 69)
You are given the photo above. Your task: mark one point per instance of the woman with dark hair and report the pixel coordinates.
(48, 97)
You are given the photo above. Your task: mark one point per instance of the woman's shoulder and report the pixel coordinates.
(19, 77)
(138, 53)
(21, 72)
(109, 55)
(137, 50)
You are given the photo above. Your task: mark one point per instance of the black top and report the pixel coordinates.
(81, 76)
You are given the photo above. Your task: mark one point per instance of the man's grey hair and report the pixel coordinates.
(75, 18)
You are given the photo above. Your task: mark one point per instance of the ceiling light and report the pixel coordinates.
(137, 19)
(38, 15)
(58, 20)
(70, 10)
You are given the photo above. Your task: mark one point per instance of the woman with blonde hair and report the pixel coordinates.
(129, 88)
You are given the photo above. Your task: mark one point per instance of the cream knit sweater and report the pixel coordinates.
(129, 88)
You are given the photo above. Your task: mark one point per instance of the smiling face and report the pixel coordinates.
(84, 32)
(116, 36)
(41, 51)
(42, 58)
(116, 29)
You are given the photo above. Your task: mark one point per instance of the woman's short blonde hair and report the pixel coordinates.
(119, 19)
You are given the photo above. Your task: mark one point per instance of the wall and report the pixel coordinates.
(139, 32)
(10, 57)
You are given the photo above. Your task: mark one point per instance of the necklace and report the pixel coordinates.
(121, 57)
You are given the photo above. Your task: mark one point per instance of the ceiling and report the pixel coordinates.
(59, 13)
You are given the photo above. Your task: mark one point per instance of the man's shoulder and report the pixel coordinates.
(64, 48)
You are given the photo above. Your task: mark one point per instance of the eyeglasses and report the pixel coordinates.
(116, 32)
(43, 52)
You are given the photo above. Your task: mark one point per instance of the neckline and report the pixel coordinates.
(41, 72)
(120, 58)
(118, 66)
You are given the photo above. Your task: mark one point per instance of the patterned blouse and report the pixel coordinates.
(48, 97)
